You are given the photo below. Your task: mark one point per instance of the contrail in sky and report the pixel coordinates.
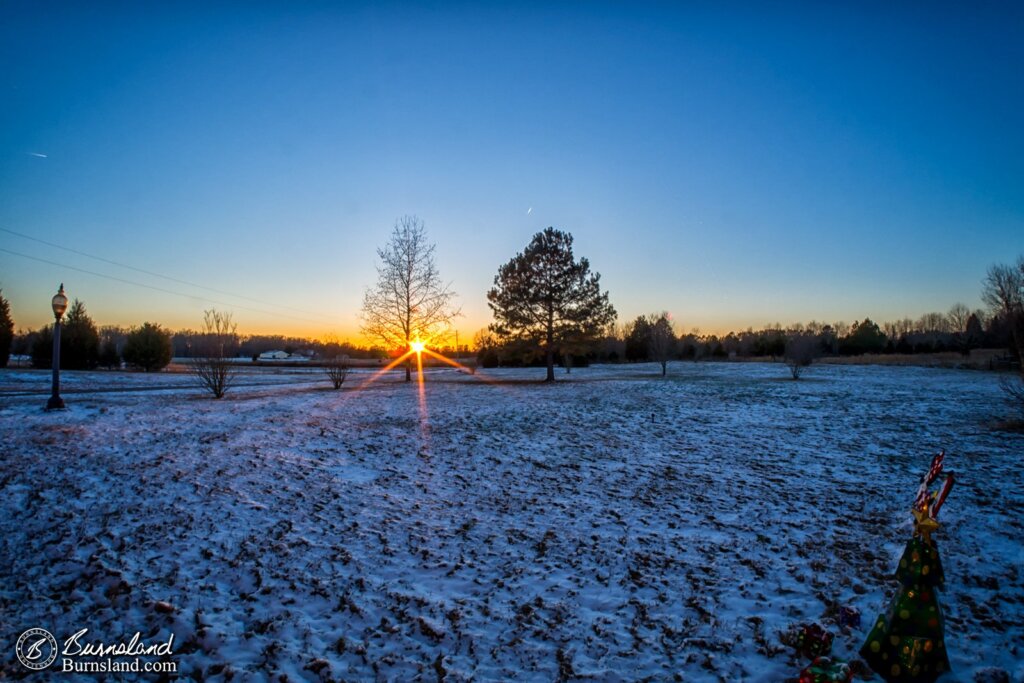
(37, 154)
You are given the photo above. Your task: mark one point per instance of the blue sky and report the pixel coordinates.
(731, 163)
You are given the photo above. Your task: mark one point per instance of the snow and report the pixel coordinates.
(614, 526)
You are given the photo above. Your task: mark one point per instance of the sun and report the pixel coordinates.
(417, 346)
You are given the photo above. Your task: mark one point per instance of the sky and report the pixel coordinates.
(734, 164)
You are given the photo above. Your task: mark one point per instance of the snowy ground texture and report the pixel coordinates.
(615, 526)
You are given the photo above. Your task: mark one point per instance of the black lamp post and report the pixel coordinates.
(60, 304)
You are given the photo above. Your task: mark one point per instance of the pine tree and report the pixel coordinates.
(864, 337)
(973, 336)
(80, 340)
(545, 298)
(6, 330)
(638, 339)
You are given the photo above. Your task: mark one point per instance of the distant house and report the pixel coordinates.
(274, 355)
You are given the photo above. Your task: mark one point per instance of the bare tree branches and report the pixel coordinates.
(958, 316)
(1013, 387)
(661, 341)
(214, 369)
(336, 370)
(801, 350)
(1003, 287)
(410, 301)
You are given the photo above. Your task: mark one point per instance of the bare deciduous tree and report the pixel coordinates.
(410, 301)
(958, 316)
(1013, 387)
(801, 350)
(661, 341)
(336, 369)
(213, 367)
(1003, 287)
(934, 323)
(1003, 291)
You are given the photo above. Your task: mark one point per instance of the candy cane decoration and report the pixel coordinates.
(921, 501)
(940, 497)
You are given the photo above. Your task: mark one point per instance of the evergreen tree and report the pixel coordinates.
(973, 335)
(42, 348)
(148, 347)
(864, 337)
(546, 298)
(6, 330)
(638, 339)
(109, 357)
(80, 340)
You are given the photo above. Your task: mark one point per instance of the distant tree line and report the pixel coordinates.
(549, 309)
(149, 347)
(652, 338)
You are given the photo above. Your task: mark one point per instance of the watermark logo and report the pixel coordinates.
(36, 649)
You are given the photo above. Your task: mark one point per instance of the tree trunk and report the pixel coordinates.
(408, 361)
(664, 368)
(551, 347)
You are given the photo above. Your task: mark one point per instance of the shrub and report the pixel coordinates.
(109, 357)
(148, 347)
(213, 369)
(79, 342)
(1013, 387)
(801, 350)
(42, 348)
(487, 358)
(6, 331)
(337, 369)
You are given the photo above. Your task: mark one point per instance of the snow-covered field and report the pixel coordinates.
(614, 526)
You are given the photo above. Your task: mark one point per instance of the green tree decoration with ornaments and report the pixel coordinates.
(907, 642)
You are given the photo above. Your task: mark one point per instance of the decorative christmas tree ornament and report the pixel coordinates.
(826, 670)
(813, 641)
(907, 642)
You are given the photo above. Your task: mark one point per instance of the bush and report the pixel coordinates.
(79, 342)
(213, 369)
(487, 358)
(148, 347)
(864, 337)
(42, 348)
(337, 369)
(6, 331)
(801, 350)
(109, 357)
(1013, 387)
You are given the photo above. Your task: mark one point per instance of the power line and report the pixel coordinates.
(149, 272)
(158, 289)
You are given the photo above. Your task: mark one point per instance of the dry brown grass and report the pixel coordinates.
(978, 360)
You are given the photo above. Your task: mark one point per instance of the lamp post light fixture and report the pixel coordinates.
(59, 304)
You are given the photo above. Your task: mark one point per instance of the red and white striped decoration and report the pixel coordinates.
(921, 501)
